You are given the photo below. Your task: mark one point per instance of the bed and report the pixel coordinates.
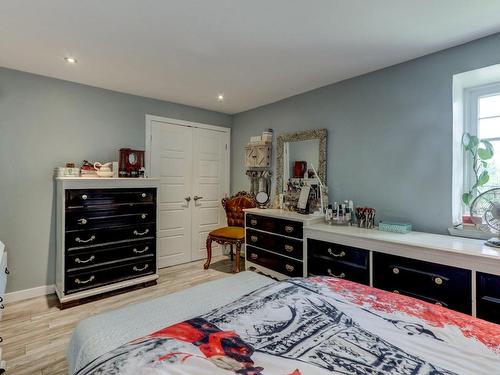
(250, 324)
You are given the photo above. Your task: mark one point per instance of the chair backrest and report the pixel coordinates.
(234, 208)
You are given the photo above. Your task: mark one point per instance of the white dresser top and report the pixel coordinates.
(282, 214)
(458, 245)
(106, 182)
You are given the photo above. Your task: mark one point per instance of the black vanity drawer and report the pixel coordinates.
(327, 252)
(85, 238)
(488, 297)
(78, 281)
(274, 225)
(274, 262)
(319, 267)
(109, 216)
(278, 244)
(435, 283)
(93, 197)
(97, 255)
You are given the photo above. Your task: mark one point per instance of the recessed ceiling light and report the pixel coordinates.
(220, 97)
(70, 60)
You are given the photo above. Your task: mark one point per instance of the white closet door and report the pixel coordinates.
(211, 182)
(172, 162)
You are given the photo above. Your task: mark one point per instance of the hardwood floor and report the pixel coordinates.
(36, 333)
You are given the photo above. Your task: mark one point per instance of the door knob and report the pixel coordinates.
(196, 198)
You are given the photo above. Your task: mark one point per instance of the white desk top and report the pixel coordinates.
(458, 245)
(282, 214)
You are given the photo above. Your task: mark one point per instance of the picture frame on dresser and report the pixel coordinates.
(106, 236)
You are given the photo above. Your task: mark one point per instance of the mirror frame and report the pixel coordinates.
(307, 135)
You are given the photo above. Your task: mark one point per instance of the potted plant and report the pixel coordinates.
(480, 151)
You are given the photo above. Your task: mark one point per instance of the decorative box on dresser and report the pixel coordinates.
(274, 242)
(106, 236)
(458, 273)
(3, 284)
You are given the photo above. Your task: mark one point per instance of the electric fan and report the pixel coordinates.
(487, 206)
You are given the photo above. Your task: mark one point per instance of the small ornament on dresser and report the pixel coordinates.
(131, 162)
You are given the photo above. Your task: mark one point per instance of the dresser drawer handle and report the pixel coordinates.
(143, 216)
(439, 303)
(82, 221)
(395, 291)
(143, 195)
(78, 260)
(137, 233)
(289, 228)
(253, 222)
(2, 306)
(340, 276)
(78, 239)
(84, 197)
(395, 270)
(7, 272)
(254, 238)
(289, 267)
(438, 280)
(91, 278)
(339, 255)
(141, 251)
(289, 248)
(254, 256)
(137, 269)
(1, 299)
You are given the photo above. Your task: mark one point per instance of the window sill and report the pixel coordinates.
(469, 233)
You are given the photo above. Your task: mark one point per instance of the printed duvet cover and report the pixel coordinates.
(314, 326)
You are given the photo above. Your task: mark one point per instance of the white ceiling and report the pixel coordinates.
(254, 51)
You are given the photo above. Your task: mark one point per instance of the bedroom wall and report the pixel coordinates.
(44, 123)
(389, 134)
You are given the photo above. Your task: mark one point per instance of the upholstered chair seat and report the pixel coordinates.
(234, 233)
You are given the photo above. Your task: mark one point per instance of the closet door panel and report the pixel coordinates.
(171, 161)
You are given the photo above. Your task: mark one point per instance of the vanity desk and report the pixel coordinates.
(274, 242)
(458, 273)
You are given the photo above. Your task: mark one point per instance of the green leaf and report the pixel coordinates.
(466, 198)
(484, 164)
(484, 177)
(484, 153)
(473, 142)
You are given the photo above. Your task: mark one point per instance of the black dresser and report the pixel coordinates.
(106, 237)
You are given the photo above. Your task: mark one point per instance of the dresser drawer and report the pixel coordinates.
(273, 225)
(97, 255)
(435, 283)
(86, 238)
(327, 252)
(277, 244)
(109, 216)
(317, 266)
(78, 281)
(488, 297)
(274, 262)
(93, 197)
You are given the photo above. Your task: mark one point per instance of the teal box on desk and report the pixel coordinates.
(386, 226)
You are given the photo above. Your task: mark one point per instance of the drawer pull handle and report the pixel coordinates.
(289, 248)
(253, 222)
(78, 260)
(2, 306)
(1, 299)
(84, 197)
(439, 303)
(289, 228)
(254, 256)
(7, 272)
(82, 221)
(143, 216)
(140, 251)
(137, 269)
(339, 255)
(438, 280)
(289, 267)
(91, 278)
(78, 239)
(395, 270)
(143, 195)
(339, 276)
(254, 238)
(137, 233)
(396, 291)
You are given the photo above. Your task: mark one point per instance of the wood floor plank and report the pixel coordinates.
(36, 332)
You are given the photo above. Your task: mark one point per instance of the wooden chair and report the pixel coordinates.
(234, 233)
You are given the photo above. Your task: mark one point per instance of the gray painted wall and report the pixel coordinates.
(390, 134)
(45, 122)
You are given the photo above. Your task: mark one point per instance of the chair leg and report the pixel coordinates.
(209, 253)
(238, 257)
(231, 249)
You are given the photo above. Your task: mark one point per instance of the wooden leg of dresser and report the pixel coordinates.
(209, 253)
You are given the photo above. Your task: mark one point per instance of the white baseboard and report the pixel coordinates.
(22, 295)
